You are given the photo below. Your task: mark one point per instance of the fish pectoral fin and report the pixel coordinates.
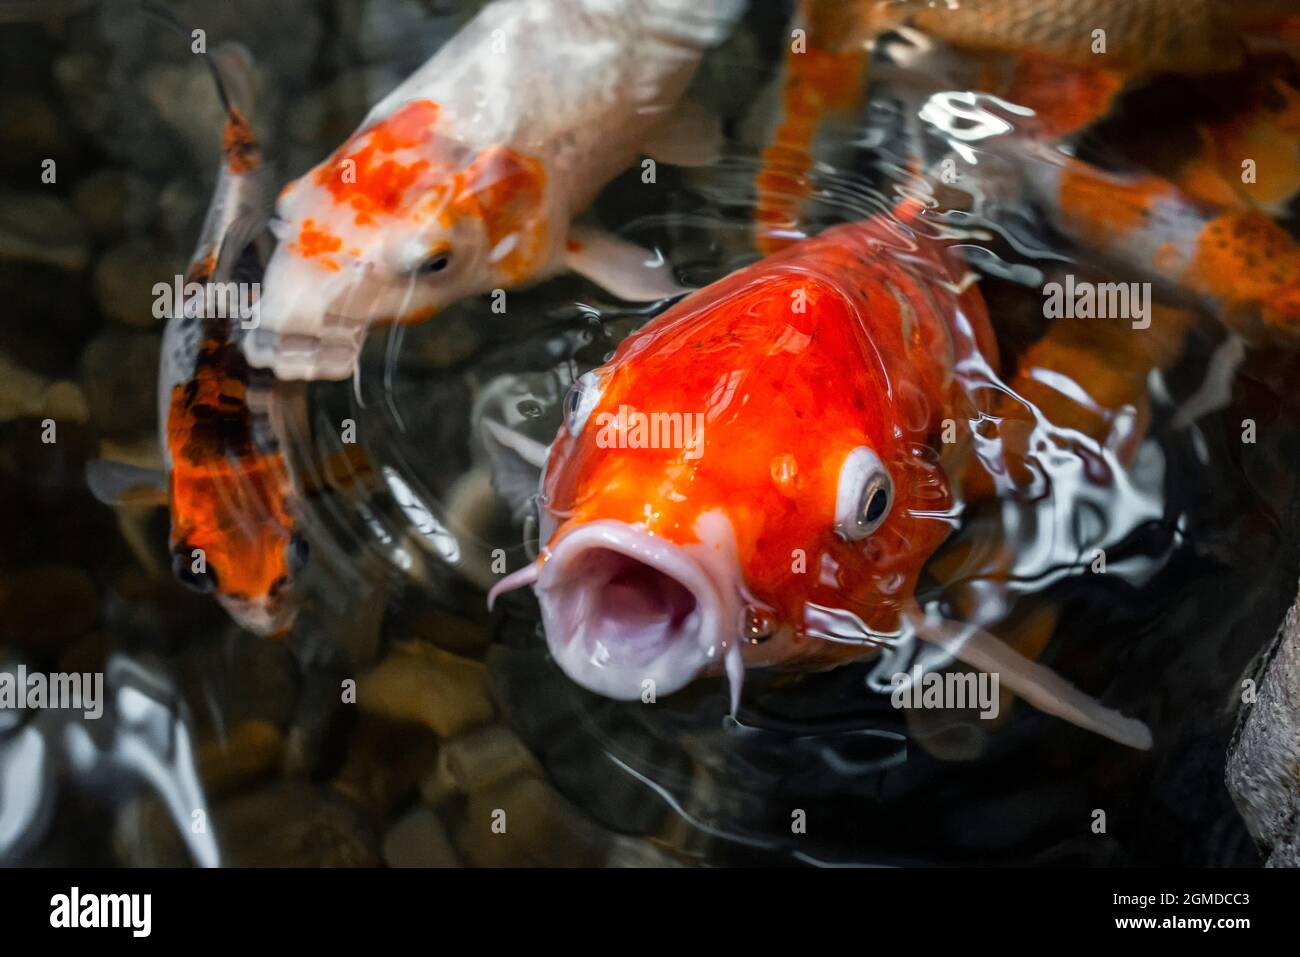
(690, 136)
(245, 230)
(517, 463)
(623, 268)
(116, 483)
(1040, 686)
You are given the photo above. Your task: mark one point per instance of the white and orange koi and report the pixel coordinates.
(465, 179)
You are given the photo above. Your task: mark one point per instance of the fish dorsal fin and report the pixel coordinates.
(116, 483)
(244, 230)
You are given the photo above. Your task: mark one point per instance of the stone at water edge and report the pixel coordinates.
(1263, 769)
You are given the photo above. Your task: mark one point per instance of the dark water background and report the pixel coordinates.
(462, 713)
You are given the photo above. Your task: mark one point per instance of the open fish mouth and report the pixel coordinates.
(628, 614)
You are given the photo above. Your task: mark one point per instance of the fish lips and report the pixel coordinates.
(305, 357)
(629, 615)
(310, 324)
(267, 617)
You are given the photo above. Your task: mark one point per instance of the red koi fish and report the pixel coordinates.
(786, 521)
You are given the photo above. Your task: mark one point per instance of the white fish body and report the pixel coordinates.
(465, 179)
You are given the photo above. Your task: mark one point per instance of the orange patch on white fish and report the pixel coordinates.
(401, 167)
(376, 170)
(507, 191)
(315, 241)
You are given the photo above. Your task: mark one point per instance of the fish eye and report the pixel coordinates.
(582, 398)
(435, 263)
(204, 582)
(864, 496)
(298, 552)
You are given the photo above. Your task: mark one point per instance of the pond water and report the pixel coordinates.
(459, 712)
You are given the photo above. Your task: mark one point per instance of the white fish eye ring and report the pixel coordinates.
(865, 495)
(582, 397)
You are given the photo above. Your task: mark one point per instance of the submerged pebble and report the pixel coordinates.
(440, 691)
(113, 202)
(525, 821)
(25, 394)
(418, 839)
(293, 824)
(41, 228)
(249, 752)
(482, 759)
(112, 366)
(124, 279)
(386, 761)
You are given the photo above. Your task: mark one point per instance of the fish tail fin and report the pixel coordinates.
(169, 21)
(234, 74)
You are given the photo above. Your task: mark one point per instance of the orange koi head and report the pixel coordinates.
(397, 224)
(233, 535)
(747, 481)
